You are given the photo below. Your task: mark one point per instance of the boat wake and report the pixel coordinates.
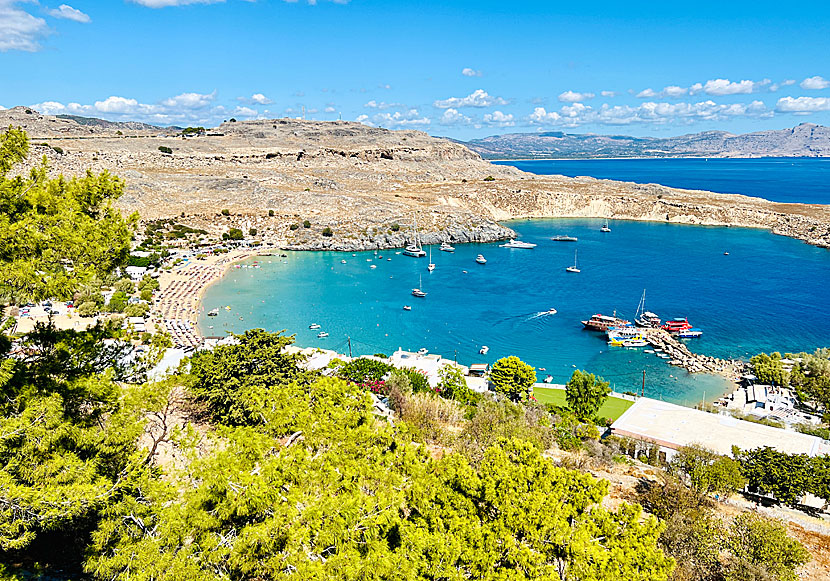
(541, 314)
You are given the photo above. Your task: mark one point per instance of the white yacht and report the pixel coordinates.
(575, 267)
(431, 265)
(480, 259)
(605, 227)
(407, 308)
(445, 247)
(417, 292)
(517, 244)
(644, 318)
(313, 326)
(322, 334)
(564, 238)
(484, 349)
(414, 246)
(423, 351)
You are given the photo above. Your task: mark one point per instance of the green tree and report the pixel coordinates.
(252, 231)
(761, 545)
(362, 369)
(165, 149)
(271, 213)
(146, 295)
(125, 285)
(235, 234)
(768, 471)
(226, 212)
(56, 234)
(117, 303)
(513, 377)
(328, 232)
(707, 471)
(769, 369)
(306, 224)
(88, 309)
(452, 385)
(585, 393)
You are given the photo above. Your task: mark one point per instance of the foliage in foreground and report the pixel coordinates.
(513, 377)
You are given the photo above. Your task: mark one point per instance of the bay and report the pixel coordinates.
(769, 293)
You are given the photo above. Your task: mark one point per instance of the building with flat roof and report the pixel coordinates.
(671, 426)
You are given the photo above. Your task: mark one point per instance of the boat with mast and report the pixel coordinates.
(417, 292)
(447, 247)
(431, 265)
(644, 318)
(575, 267)
(414, 247)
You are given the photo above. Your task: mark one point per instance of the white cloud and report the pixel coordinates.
(813, 83)
(117, 105)
(68, 13)
(362, 118)
(261, 99)
(499, 119)
(803, 105)
(608, 93)
(468, 72)
(453, 117)
(721, 87)
(573, 97)
(647, 94)
(189, 101)
(19, 30)
(245, 112)
(478, 98)
(674, 92)
(330, 109)
(382, 105)
(398, 119)
(543, 117)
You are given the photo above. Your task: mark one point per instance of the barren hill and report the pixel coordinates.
(360, 181)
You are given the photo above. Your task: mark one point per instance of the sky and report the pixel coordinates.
(462, 69)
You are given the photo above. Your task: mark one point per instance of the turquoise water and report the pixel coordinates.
(769, 293)
(780, 179)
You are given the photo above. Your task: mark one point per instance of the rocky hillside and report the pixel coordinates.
(363, 183)
(805, 140)
(50, 126)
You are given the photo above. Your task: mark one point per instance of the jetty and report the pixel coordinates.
(680, 355)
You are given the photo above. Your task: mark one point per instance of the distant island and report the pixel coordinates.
(804, 140)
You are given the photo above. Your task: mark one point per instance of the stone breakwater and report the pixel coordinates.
(682, 356)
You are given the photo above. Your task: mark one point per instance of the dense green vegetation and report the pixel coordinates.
(585, 394)
(513, 377)
(809, 376)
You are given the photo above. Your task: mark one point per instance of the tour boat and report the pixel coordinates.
(314, 326)
(322, 334)
(605, 227)
(213, 312)
(407, 308)
(677, 325)
(575, 267)
(484, 349)
(563, 238)
(414, 247)
(445, 246)
(517, 244)
(644, 318)
(480, 259)
(601, 322)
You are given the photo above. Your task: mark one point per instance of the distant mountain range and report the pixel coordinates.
(115, 125)
(805, 140)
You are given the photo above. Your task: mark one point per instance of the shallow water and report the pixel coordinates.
(769, 293)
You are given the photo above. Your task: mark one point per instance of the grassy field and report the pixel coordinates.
(612, 408)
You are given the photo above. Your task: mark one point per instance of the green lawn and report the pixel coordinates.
(612, 408)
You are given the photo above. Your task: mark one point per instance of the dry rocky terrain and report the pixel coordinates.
(360, 181)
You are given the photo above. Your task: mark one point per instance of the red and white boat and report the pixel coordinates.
(677, 325)
(601, 322)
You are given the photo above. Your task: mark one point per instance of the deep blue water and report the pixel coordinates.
(769, 293)
(801, 179)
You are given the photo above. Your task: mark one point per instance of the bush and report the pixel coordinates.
(363, 370)
(306, 224)
(125, 285)
(294, 227)
(489, 179)
(88, 309)
(395, 227)
(431, 416)
(57, 149)
(148, 282)
(327, 232)
(226, 212)
(252, 231)
(235, 234)
(117, 303)
(165, 149)
(146, 295)
(585, 394)
(271, 213)
(137, 310)
(417, 379)
(495, 421)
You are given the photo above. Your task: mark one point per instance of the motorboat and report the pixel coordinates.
(575, 267)
(314, 326)
(689, 333)
(423, 351)
(484, 349)
(548, 379)
(677, 325)
(563, 238)
(213, 312)
(550, 311)
(480, 259)
(517, 244)
(445, 247)
(342, 262)
(322, 334)
(605, 227)
(407, 308)
(374, 266)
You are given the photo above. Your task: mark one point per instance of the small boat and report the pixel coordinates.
(228, 308)
(322, 334)
(407, 308)
(689, 333)
(548, 379)
(480, 259)
(563, 238)
(550, 311)
(374, 266)
(517, 244)
(423, 351)
(314, 326)
(484, 349)
(414, 247)
(213, 312)
(663, 356)
(726, 254)
(431, 265)
(605, 227)
(417, 292)
(342, 262)
(445, 247)
(648, 350)
(575, 267)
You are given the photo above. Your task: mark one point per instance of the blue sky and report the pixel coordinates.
(462, 69)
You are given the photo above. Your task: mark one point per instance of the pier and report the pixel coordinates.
(682, 356)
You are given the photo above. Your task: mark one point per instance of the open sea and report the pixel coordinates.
(804, 180)
(769, 293)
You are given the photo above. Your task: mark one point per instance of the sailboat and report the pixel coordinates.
(575, 267)
(414, 247)
(431, 265)
(605, 227)
(417, 292)
(644, 318)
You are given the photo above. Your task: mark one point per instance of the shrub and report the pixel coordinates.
(146, 295)
(294, 227)
(125, 285)
(252, 231)
(117, 303)
(306, 224)
(489, 179)
(57, 149)
(88, 309)
(417, 379)
(137, 310)
(395, 227)
(328, 232)
(363, 370)
(271, 213)
(165, 149)
(235, 234)
(430, 415)
(226, 212)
